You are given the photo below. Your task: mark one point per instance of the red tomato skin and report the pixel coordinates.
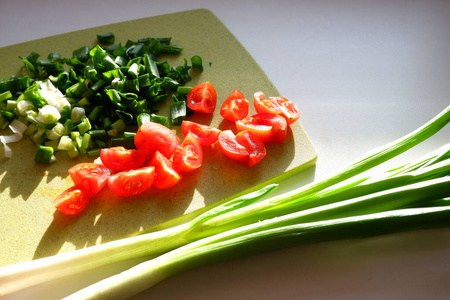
(131, 182)
(289, 110)
(235, 107)
(152, 137)
(121, 159)
(231, 148)
(270, 128)
(189, 155)
(94, 175)
(73, 200)
(254, 146)
(205, 134)
(165, 174)
(202, 98)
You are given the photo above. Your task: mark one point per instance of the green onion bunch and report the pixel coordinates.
(359, 201)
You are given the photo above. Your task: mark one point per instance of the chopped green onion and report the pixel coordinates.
(197, 62)
(106, 38)
(44, 155)
(5, 96)
(178, 112)
(48, 114)
(77, 114)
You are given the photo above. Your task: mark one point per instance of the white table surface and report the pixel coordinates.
(364, 73)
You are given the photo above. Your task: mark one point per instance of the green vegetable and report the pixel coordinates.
(44, 155)
(106, 38)
(347, 205)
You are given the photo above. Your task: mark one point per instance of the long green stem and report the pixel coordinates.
(236, 244)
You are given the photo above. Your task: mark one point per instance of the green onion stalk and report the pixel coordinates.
(326, 210)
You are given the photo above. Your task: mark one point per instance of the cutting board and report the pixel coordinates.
(30, 226)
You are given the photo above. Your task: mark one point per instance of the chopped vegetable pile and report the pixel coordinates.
(84, 103)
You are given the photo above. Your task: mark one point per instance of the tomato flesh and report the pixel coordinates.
(122, 159)
(202, 98)
(165, 174)
(231, 148)
(268, 127)
(131, 182)
(254, 146)
(288, 109)
(205, 134)
(152, 137)
(92, 174)
(235, 107)
(189, 155)
(73, 200)
(277, 105)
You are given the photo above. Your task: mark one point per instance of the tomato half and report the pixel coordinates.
(205, 134)
(235, 107)
(231, 148)
(268, 127)
(189, 155)
(94, 175)
(122, 159)
(165, 174)
(254, 146)
(277, 105)
(153, 137)
(202, 98)
(131, 182)
(73, 200)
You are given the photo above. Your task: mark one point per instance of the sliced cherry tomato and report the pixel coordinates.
(165, 174)
(263, 105)
(122, 159)
(202, 98)
(73, 200)
(153, 137)
(235, 107)
(245, 147)
(205, 134)
(277, 105)
(189, 155)
(131, 182)
(93, 174)
(268, 127)
(231, 148)
(254, 146)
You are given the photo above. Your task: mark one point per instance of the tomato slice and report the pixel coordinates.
(254, 146)
(122, 159)
(189, 155)
(205, 134)
(268, 127)
(202, 98)
(235, 107)
(93, 174)
(263, 105)
(153, 137)
(165, 174)
(231, 148)
(131, 182)
(288, 109)
(73, 200)
(277, 105)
